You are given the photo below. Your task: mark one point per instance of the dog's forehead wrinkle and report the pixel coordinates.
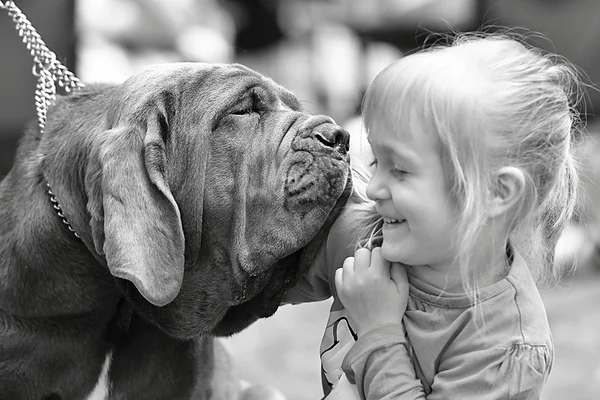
(170, 103)
(289, 99)
(154, 81)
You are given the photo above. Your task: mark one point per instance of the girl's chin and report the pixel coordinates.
(392, 253)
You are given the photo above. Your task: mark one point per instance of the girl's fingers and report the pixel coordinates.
(380, 265)
(339, 279)
(348, 264)
(347, 268)
(362, 260)
(345, 273)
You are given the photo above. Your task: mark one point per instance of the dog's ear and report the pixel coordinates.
(140, 233)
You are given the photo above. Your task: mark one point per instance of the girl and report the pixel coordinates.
(474, 181)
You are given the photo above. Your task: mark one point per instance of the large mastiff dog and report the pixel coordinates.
(150, 217)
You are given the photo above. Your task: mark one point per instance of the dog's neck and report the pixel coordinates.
(38, 251)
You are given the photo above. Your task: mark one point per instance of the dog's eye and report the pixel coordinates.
(244, 111)
(246, 107)
(254, 103)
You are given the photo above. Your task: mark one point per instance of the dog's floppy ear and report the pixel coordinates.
(140, 233)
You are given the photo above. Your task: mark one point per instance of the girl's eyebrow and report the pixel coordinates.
(400, 154)
(407, 156)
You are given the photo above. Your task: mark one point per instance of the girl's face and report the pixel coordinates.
(411, 194)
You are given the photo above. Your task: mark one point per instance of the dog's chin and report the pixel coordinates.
(266, 302)
(243, 315)
(285, 274)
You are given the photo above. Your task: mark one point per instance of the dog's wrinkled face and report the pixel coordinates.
(253, 181)
(273, 177)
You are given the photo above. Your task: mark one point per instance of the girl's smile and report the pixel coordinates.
(391, 221)
(392, 228)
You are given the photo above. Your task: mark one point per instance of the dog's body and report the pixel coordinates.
(199, 194)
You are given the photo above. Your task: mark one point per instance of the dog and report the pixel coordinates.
(150, 218)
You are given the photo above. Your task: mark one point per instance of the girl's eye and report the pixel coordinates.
(398, 173)
(373, 163)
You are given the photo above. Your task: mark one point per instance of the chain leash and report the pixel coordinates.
(46, 67)
(49, 72)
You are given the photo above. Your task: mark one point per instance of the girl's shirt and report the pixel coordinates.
(498, 347)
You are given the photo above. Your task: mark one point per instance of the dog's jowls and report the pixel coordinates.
(200, 194)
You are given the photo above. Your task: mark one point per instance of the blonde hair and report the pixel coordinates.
(492, 101)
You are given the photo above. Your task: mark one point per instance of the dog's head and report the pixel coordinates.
(210, 192)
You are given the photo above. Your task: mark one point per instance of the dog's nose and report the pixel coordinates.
(333, 136)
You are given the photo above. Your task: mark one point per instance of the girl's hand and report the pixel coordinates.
(373, 290)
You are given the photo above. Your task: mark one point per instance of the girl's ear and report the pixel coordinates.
(508, 186)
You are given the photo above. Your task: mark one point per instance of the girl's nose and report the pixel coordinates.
(376, 189)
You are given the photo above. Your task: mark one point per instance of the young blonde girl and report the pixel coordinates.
(473, 182)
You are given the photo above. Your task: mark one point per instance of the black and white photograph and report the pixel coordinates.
(299, 199)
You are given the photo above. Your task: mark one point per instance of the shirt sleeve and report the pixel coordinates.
(380, 365)
(318, 283)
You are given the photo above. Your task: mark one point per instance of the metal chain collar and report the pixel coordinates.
(59, 210)
(46, 67)
(49, 71)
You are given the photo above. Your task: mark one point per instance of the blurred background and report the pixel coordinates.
(326, 51)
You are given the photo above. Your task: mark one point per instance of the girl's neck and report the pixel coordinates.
(490, 267)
